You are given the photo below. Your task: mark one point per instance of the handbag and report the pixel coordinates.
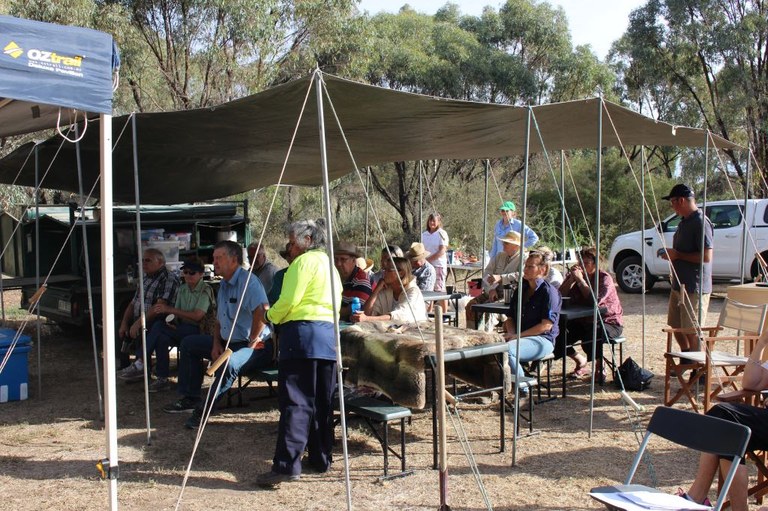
(208, 323)
(633, 376)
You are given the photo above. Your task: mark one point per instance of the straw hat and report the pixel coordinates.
(346, 248)
(365, 264)
(512, 237)
(417, 251)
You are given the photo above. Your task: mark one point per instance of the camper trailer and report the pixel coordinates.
(179, 231)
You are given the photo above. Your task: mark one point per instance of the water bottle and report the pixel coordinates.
(354, 305)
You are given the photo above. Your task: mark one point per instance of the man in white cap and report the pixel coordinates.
(422, 270)
(502, 270)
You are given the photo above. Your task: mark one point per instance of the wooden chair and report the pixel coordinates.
(746, 321)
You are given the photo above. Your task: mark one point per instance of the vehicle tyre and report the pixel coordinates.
(629, 275)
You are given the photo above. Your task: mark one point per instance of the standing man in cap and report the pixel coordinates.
(509, 222)
(691, 244)
(356, 281)
(422, 270)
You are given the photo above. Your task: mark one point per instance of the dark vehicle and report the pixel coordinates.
(179, 231)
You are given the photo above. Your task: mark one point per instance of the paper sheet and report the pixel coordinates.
(647, 500)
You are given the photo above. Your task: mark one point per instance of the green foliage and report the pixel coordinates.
(701, 63)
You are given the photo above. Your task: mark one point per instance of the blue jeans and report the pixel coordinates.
(196, 348)
(160, 338)
(532, 348)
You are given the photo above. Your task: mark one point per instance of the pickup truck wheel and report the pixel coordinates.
(629, 274)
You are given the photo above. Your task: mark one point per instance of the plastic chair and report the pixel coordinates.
(747, 323)
(713, 435)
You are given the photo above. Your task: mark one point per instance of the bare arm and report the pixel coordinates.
(257, 325)
(755, 375)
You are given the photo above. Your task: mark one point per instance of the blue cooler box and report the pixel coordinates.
(15, 376)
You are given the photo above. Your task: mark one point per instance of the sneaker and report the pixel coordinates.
(159, 385)
(130, 368)
(183, 405)
(272, 479)
(134, 372)
(194, 420)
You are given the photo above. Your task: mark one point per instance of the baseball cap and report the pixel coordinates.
(679, 190)
(508, 206)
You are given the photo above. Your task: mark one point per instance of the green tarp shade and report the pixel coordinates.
(194, 155)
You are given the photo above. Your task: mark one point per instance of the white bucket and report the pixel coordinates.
(226, 236)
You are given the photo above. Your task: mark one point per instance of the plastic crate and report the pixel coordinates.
(14, 379)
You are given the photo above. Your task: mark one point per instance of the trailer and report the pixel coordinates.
(180, 231)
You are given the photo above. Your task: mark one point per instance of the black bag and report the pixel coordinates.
(633, 376)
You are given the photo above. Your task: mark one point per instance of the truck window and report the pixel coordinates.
(724, 216)
(671, 223)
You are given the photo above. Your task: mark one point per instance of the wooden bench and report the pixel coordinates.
(375, 411)
(265, 374)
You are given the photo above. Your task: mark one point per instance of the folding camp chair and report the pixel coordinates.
(746, 322)
(713, 435)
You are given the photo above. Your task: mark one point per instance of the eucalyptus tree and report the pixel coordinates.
(518, 54)
(702, 62)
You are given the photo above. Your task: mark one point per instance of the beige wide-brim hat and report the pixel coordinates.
(346, 248)
(512, 237)
(365, 264)
(417, 251)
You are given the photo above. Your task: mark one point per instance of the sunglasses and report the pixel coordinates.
(146, 260)
(189, 272)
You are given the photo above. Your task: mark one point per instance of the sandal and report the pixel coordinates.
(581, 372)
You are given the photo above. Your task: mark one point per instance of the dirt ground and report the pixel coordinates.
(50, 443)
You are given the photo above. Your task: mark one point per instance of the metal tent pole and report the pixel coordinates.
(421, 197)
(367, 208)
(88, 270)
(518, 318)
(329, 224)
(596, 313)
(37, 273)
(562, 198)
(642, 252)
(140, 272)
(703, 231)
(744, 216)
(485, 213)
(108, 307)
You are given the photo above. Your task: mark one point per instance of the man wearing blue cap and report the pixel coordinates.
(692, 243)
(509, 222)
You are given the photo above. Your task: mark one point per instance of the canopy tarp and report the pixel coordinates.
(45, 68)
(195, 155)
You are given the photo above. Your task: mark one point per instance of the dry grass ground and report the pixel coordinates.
(49, 446)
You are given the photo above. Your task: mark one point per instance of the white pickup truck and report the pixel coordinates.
(625, 260)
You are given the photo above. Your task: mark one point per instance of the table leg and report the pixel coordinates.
(564, 330)
(502, 402)
(434, 418)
